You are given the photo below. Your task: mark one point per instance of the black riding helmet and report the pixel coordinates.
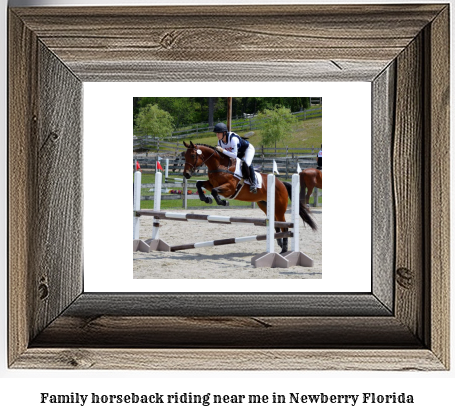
(220, 128)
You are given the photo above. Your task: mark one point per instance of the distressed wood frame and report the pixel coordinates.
(403, 324)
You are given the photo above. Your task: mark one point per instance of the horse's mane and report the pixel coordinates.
(205, 145)
(213, 148)
(223, 157)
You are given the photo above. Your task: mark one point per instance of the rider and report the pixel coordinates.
(234, 146)
(319, 159)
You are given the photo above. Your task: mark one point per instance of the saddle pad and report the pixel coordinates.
(238, 174)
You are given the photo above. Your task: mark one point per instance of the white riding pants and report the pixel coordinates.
(249, 155)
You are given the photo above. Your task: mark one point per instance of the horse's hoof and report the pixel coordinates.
(227, 203)
(283, 251)
(209, 200)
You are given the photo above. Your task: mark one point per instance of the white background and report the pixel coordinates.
(346, 227)
(19, 390)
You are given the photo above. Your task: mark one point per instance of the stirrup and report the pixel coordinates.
(253, 188)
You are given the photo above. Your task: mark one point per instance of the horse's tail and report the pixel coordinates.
(303, 210)
(302, 186)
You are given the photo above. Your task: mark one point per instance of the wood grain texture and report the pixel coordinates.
(57, 239)
(336, 37)
(90, 305)
(325, 70)
(228, 359)
(383, 215)
(408, 187)
(255, 332)
(22, 94)
(45, 161)
(402, 50)
(437, 169)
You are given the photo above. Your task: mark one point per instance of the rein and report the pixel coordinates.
(220, 171)
(204, 161)
(226, 170)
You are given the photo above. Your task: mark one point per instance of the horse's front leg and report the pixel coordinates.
(206, 185)
(282, 242)
(284, 248)
(225, 189)
(279, 240)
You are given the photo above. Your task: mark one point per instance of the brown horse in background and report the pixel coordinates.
(309, 179)
(223, 182)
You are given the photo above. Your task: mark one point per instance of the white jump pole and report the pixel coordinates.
(156, 244)
(270, 213)
(136, 203)
(166, 171)
(294, 256)
(138, 245)
(153, 244)
(270, 259)
(157, 204)
(295, 212)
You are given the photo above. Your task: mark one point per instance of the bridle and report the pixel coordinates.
(204, 161)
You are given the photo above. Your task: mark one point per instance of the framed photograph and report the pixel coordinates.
(224, 268)
(401, 323)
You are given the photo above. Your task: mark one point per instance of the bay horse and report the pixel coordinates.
(220, 169)
(309, 179)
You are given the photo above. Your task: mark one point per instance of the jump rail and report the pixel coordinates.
(188, 217)
(229, 241)
(269, 259)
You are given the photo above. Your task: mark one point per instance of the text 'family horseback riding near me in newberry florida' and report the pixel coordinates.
(213, 398)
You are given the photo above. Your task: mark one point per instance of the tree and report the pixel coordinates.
(153, 121)
(276, 124)
(182, 110)
(211, 111)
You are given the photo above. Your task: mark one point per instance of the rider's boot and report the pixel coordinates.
(253, 184)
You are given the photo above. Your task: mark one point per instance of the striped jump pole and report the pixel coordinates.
(226, 220)
(229, 241)
(269, 259)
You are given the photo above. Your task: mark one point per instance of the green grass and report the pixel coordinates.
(177, 204)
(309, 136)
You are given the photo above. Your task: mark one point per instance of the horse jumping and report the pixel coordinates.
(222, 181)
(309, 179)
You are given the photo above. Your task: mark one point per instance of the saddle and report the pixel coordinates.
(246, 171)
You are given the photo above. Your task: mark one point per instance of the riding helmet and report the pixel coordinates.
(220, 128)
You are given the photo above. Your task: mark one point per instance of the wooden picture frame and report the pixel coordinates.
(402, 324)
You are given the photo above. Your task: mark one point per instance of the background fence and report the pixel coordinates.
(184, 196)
(143, 146)
(286, 166)
(147, 151)
(143, 142)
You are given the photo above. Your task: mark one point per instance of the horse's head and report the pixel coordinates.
(193, 159)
